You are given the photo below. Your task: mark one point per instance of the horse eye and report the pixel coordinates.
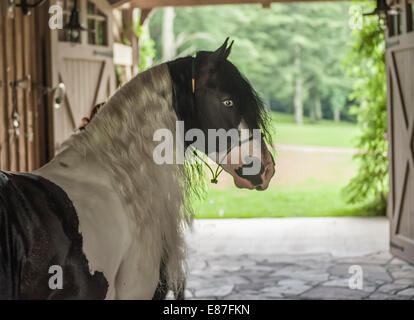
(228, 103)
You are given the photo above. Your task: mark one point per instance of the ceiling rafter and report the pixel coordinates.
(180, 3)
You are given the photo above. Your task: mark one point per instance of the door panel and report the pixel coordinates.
(400, 77)
(84, 66)
(23, 111)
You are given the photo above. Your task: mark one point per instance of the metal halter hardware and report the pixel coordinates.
(215, 173)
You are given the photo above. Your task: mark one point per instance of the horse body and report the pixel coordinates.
(109, 241)
(123, 234)
(129, 208)
(113, 218)
(39, 230)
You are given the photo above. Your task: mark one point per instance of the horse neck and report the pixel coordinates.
(126, 122)
(181, 71)
(118, 144)
(129, 115)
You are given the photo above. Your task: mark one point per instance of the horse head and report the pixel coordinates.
(211, 95)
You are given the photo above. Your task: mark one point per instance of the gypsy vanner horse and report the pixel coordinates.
(102, 209)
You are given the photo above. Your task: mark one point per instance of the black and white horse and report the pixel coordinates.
(103, 214)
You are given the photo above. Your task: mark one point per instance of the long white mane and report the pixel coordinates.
(120, 137)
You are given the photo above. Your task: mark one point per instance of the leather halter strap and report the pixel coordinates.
(215, 174)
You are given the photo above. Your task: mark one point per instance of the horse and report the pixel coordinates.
(102, 219)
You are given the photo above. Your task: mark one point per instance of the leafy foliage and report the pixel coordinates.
(366, 65)
(147, 45)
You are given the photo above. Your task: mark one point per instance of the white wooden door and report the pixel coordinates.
(85, 65)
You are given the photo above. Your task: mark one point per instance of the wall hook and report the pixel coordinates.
(26, 6)
(25, 83)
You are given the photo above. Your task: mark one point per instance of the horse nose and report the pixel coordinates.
(255, 179)
(269, 172)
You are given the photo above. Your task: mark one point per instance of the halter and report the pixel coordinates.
(215, 174)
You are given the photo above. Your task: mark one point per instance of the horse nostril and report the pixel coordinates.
(256, 179)
(273, 159)
(259, 188)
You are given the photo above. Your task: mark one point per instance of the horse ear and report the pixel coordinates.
(228, 50)
(212, 61)
(223, 52)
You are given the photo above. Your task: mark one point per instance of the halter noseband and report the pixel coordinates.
(215, 174)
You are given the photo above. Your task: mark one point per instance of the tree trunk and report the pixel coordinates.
(168, 41)
(337, 115)
(298, 103)
(318, 108)
(312, 112)
(267, 101)
(313, 101)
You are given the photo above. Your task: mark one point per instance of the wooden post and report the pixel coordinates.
(129, 33)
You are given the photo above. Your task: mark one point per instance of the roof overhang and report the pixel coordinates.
(146, 4)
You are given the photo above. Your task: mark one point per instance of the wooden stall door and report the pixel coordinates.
(85, 67)
(23, 106)
(400, 78)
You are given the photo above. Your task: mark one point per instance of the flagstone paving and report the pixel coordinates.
(315, 276)
(282, 259)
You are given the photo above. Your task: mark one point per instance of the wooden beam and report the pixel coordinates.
(266, 4)
(118, 3)
(144, 15)
(143, 4)
(129, 33)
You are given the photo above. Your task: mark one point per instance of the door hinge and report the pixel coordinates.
(108, 54)
(390, 44)
(396, 246)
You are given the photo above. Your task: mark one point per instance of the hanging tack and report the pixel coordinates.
(16, 123)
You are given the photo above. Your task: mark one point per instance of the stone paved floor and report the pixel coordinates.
(223, 273)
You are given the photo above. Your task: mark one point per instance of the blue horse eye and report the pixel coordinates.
(228, 103)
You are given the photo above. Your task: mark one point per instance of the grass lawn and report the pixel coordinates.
(323, 200)
(325, 133)
(307, 184)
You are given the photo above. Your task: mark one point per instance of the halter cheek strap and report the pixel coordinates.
(215, 174)
(193, 75)
(219, 169)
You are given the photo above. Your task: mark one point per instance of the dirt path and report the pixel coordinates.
(298, 164)
(313, 149)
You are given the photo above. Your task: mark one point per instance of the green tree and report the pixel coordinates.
(366, 65)
(291, 52)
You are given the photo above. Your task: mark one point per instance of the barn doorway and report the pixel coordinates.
(302, 258)
(259, 258)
